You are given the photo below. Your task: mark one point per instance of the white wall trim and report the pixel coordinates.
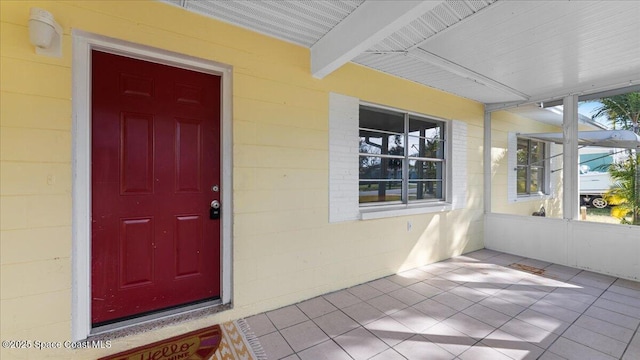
(487, 162)
(512, 178)
(458, 167)
(344, 112)
(393, 211)
(83, 43)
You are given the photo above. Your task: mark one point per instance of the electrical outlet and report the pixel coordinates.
(409, 225)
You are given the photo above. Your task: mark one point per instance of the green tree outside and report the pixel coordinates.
(623, 112)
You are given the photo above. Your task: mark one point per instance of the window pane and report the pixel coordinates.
(537, 153)
(419, 147)
(421, 190)
(380, 191)
(379, 119)
(522, 180)
(537, 180)
(419, 169)
(531, 167)
(375, 167)
(372, 142)
(384, 149)
(523, 152)
(429, 129)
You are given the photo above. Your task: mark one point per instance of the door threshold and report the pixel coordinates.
(157, 320)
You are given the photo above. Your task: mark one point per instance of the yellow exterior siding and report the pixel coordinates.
(285, 250)
(502, 123)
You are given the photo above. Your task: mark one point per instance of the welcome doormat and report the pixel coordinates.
(230, 341)
(527, 268)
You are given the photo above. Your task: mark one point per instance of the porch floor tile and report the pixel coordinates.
(482, 305)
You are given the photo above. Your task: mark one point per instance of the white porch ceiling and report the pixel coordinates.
(491, 51)
(552, 115)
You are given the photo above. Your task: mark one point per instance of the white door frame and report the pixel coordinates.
(83, 44)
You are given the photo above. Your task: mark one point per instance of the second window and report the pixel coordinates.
(531, 167)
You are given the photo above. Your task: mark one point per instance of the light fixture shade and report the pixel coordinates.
(45, 33)
(40, 33)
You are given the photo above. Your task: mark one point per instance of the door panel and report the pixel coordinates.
(155, 156)
(136, 154)
(188, 245)
(188, 155)
(136, 252)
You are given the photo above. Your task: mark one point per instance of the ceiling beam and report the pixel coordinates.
(594, 92)
(491, 107)
(597, 95)
(464, 72)
(369, 24)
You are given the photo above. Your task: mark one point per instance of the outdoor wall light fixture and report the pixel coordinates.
(45, 33)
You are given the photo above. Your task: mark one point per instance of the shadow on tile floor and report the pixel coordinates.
(483, 305)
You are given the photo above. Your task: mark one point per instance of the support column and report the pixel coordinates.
(570, 178)
(486, 152)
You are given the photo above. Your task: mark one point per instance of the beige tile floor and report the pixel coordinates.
(471, 307)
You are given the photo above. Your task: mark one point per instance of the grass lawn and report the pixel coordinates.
(602, 215)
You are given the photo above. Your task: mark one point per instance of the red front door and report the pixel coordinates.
(155, 161)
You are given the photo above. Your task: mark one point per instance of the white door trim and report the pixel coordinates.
(83, 44)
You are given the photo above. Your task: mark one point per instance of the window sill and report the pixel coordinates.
(403, 210)
(525, 198)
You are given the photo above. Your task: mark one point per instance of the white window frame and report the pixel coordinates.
(544, 165)
(405, 202)
(344, 165)
(549, 186)
(83, 44)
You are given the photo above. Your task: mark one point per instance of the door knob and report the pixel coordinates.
(214, 212)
